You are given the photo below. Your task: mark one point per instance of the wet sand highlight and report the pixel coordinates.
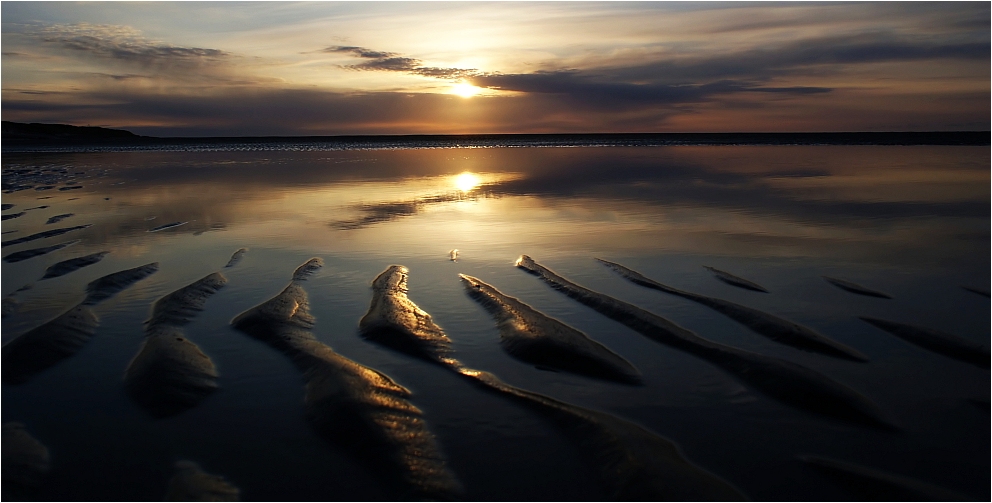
(58, 218)
(40, 348)
(67, 266)
(36, 252)
(236, 257)
(357, 409)
(856, 288)
(167, 226)
(787, 382)
(533, 337)
(391, 311)
(170, 373)
(525, 334)
(762, 323)
(43, 235)
(191, 483)
(633, 463)
(737, 281)
(107, 286)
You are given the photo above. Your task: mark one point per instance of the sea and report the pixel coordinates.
(882, 250)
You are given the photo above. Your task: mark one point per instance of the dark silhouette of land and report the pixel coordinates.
(16, 133)
(34, 135)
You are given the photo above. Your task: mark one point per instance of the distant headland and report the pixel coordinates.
(43, 134)
(36, 136)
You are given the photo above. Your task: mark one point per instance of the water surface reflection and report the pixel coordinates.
(909, 221)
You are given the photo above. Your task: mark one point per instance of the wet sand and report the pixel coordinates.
(711, 361)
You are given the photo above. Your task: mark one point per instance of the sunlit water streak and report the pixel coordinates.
(909, 221)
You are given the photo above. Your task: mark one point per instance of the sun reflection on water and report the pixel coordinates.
(466, 181)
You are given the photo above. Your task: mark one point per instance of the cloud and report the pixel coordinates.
(361, 52)
(388, 64)
(267, 111)
(125, 44)
(592, 91)
(797, 57)
(250, 110)
(159, 88)
(122, 57)
(704, 85)
(670, 77)
(393, 62)
(119, 77)
(444, 73)
(872, 48)
(39, 93)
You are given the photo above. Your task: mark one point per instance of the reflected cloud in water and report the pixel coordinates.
(745, 200)
(468, 187)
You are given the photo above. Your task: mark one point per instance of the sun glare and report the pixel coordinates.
(465, 90)
(465, 182)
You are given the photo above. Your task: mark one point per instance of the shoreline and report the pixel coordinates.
(146, 143)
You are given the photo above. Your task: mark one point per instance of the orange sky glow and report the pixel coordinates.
(281, 68)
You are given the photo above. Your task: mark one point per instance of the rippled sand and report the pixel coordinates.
(163, 341)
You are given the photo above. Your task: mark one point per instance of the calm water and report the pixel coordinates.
(912, 222)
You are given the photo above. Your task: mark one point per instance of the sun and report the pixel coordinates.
(466, 181)
(465, 90)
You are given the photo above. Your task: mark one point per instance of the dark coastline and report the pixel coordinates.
(34, 137)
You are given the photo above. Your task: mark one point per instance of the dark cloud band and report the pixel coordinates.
(394, 62)
(125, 44)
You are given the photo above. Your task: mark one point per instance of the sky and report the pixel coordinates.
(339, 68)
